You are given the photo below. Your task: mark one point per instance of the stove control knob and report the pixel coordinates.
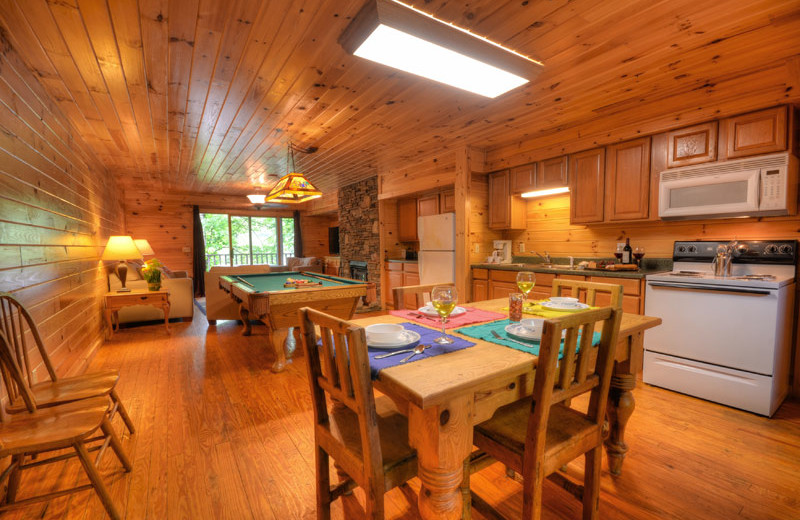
(742, 249)
(681, 249)
(692, 249)
(785, 249)
(771, 249)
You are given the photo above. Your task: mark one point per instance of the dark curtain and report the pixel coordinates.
(298, 236)
(199, 257)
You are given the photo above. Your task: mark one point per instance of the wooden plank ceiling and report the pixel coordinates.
(202, 95)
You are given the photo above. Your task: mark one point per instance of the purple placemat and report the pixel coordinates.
(426, 338)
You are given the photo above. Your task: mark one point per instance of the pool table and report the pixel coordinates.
(264, 297)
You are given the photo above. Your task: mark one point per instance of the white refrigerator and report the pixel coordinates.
(437, 244)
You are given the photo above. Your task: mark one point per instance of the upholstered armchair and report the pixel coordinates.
(311, 264)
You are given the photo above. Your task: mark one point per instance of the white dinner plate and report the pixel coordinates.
(428, 310)
(519, 332)
(566, 307)
(407, 338)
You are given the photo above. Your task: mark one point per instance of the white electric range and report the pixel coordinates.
(724, 338)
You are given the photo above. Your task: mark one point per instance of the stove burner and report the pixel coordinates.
(765, 277)
(690, 274)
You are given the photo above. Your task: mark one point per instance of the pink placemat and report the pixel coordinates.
(468, 318)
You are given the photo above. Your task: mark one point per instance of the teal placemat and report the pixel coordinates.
(484, 332)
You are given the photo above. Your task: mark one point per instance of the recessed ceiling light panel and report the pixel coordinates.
(397, 35)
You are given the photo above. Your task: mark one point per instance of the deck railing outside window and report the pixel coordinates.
(242, 259)
(247, 240)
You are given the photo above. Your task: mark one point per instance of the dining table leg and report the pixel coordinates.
(621, 403)
(442, 436)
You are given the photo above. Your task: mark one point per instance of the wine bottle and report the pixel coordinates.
(627, 251)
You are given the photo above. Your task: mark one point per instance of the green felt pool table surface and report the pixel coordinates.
(266, 282)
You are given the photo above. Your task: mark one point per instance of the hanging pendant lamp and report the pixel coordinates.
(293, 187)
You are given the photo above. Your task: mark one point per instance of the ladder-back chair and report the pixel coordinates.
(538, 435)
(47, 388)
(38, 431)
(418, 292)
(367, 437)
(608, 293)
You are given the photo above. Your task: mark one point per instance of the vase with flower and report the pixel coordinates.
(151, 272)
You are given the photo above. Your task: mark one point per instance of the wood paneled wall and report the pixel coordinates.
(165, 220)
(58, 206)
(548, 228)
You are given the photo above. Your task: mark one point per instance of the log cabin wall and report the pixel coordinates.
(165, 220)
(58, 206)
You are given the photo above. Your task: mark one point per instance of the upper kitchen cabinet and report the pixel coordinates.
(428, 205)
(407, 220)
(523, 178)
(447, 201)
(755, 133)
(692, 145)
(587, 186)
(505, 210)
(628, 180)
(552, 173)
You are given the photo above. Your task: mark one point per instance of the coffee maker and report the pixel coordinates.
(502, 251)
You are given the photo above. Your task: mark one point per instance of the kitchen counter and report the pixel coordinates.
(657, 265)
(401, 261)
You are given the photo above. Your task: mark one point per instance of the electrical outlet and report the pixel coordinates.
(522, 247)
(187, 249)
(477, 248)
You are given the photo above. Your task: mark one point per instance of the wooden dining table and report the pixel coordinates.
(446, 395)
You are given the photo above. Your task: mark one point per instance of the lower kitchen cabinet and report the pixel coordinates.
(480, 285)
(401, 274)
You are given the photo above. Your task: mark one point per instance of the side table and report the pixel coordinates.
(116, 301)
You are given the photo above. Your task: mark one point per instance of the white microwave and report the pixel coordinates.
(756, 186)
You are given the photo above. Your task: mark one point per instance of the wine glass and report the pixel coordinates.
(525, 281)
(638, 254)
(443, 299)
(618, 252)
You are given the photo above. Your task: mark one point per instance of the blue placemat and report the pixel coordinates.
(426, 338)
(484, 332)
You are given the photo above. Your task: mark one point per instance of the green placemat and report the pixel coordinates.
(484, 332)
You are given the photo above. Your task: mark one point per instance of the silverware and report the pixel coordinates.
(498, 336)
(404, 351)
(418, 350)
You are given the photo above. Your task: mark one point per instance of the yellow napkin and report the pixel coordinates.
(537, 310)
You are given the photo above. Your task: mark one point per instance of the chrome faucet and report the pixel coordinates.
(546, 256)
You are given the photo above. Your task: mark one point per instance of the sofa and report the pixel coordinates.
(311, 264)
(181, 296)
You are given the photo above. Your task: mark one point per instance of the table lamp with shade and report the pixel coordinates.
(121, 248)
(144, 246)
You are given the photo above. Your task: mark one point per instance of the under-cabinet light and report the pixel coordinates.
(398, 35)
(543, 193)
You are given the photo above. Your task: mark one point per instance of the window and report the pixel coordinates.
(240, 240)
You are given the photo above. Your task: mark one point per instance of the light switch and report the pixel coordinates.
(522, 247)
(477, 247)
(187, 249)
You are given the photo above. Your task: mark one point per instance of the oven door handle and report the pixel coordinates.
(717, 288)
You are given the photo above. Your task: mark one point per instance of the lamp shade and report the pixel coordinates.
(293, 188)
(121, 248)
(144, 246)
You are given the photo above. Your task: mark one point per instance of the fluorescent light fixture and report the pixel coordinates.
(257, 198)
(400, 36)
(543, 193)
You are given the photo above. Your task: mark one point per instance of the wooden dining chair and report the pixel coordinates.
(18, 325)
(40, 431)
(417, 291)
(609, 293)
(538, 435)
(366, 436)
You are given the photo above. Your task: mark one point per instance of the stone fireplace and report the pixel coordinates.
(359, 237)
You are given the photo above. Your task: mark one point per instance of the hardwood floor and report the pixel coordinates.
(220, 436)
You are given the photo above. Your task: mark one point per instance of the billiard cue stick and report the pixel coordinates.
(245, 282)
(314, 275)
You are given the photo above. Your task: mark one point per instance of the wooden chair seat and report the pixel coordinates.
(68, 389)
(52, 428)
(568, 434)
(399, 459)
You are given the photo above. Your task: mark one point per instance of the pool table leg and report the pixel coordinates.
(245, 315)
(277, 338)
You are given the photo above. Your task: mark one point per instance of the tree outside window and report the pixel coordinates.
(241, 240)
